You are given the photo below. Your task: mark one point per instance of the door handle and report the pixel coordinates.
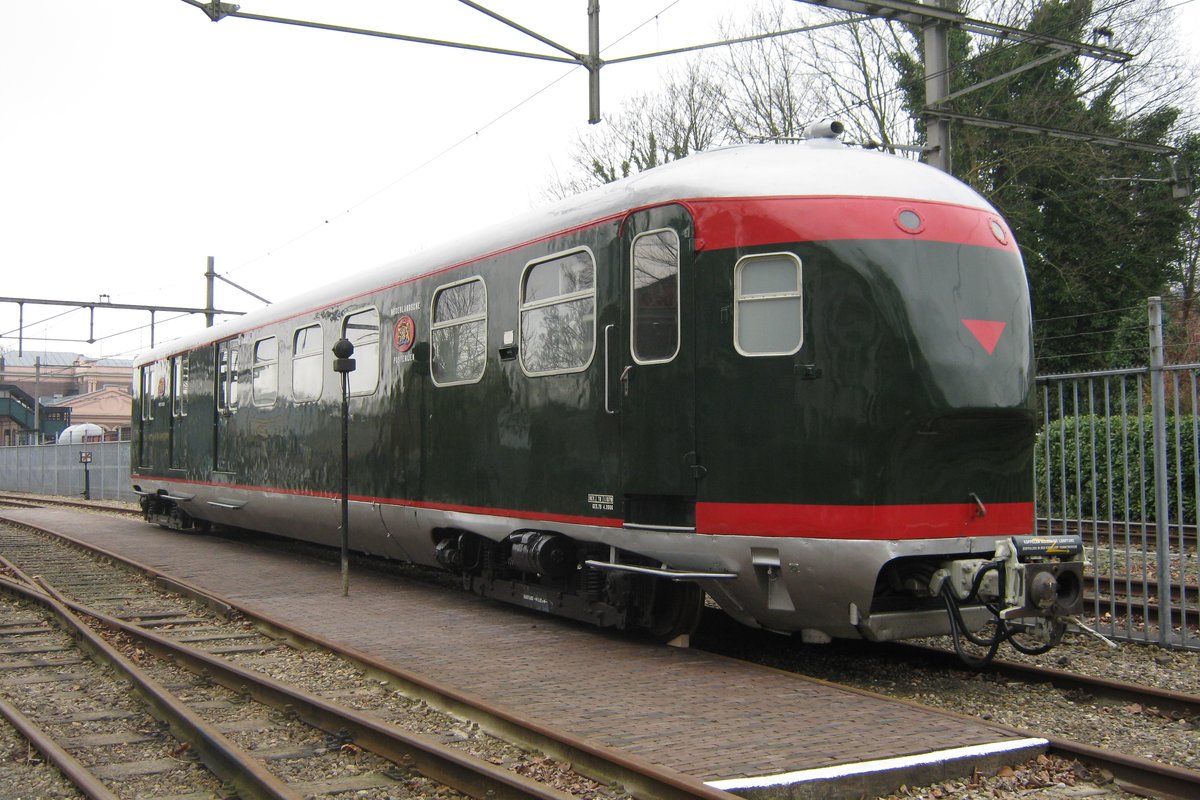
(608, 408)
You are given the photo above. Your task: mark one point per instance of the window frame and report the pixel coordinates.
(180, 380)
(147, 392)
(357, 349)
(317, 355)
(738, 299)
(257, 367)
(633, 318)
(435, 326)
(523, 307)
(227, 376)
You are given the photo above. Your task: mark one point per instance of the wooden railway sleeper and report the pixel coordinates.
(425, 754)
(67, 764)
(228, 761)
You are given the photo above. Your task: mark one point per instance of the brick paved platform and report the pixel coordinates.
(748, 729)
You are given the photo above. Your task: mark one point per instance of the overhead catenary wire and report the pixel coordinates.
(419, 167)
(445, 151)
(479, 130)
(900, 87)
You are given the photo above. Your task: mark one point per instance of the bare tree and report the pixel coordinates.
(650, 129)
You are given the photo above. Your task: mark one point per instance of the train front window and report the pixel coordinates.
(459, 333)
(768, 315)
(558, 314)
(655, 296)
(362, 329)
(307, 375)
(265, 383)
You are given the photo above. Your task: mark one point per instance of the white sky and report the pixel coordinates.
(138, 138)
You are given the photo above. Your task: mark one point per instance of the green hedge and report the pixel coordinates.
(1120, 449)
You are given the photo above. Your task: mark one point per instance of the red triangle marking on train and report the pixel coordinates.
(986, 332)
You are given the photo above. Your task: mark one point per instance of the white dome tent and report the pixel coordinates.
(77, 434)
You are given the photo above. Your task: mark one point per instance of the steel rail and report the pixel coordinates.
(639, 777)
(1118, 530)
(1149, 777)
(29, 501)
(443, 764)
(83, 779)
(1162, 699)
(1137, 606)
(225, 759)
(1146, 777)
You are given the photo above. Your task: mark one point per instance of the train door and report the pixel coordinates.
(154, 451)
(225, 398)
(655, 391)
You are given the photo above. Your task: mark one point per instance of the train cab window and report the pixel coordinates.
(362, 329)
(459, 333)
(768, 308)
(655, 296)
(179, 385)
(160, 388)
(307, 372)
(558, 313)
(265, 371)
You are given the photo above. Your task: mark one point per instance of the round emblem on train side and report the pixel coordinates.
(998, 231)
(404, 336)
(908, 220)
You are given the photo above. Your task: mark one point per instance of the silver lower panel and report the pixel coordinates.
(822, 586)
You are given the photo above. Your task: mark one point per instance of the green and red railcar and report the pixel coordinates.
(797, 378)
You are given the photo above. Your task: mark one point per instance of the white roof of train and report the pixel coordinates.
(813, 168)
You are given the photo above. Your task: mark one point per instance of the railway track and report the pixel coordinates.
(1158, 779)
(204, 655)
(1118, 531)
(862, 664)
(38, 501)
(1153, 778)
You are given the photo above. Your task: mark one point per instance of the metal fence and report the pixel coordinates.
(57, 469)
(1116, 462)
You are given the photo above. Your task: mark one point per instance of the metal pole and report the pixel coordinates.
(345, 484)
(937, 86)
(209, 278)
(37, 393)
(1162, 513)
(344, 365)
(593, 61)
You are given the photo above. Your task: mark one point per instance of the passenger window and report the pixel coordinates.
(362, 329)
(265, 381)
(655, 296)
(768, 305)
(227, 377)
(459, 333)
(558, 314)
(147, 393)
(307, 363)
(179, 386)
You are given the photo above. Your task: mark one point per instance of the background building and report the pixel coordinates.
(70, 389)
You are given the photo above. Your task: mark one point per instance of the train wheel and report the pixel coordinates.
(677, 610)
